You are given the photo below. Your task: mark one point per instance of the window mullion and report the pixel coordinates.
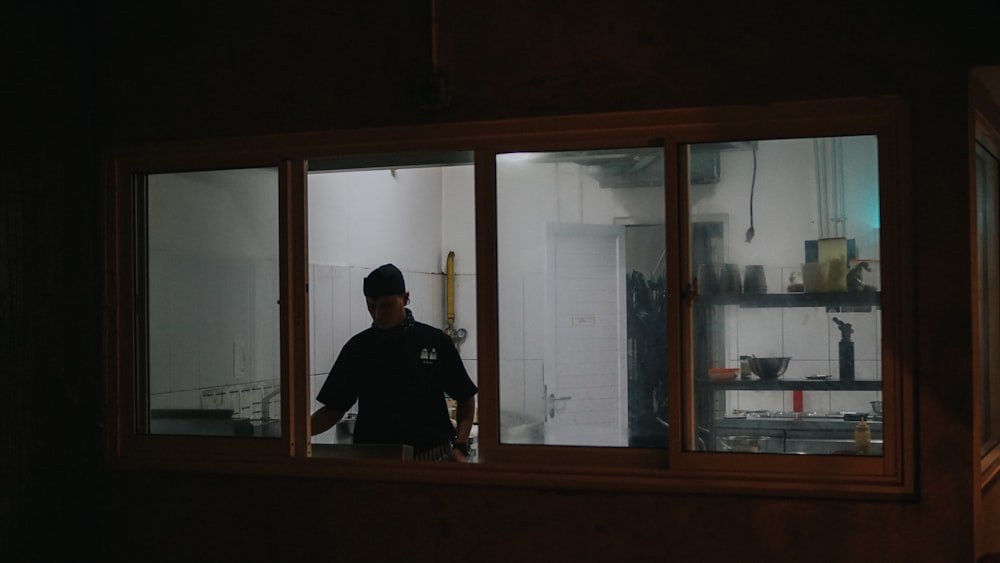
(294, 314)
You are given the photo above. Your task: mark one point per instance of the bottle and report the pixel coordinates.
(845, 349)
(862, 437)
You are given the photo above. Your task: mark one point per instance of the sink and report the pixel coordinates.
(257, 428)
(266, 429)
(344, 430)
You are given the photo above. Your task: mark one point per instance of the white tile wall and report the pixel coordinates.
(321, 341)
(759, 333)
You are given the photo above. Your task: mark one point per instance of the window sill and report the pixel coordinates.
(541, 477)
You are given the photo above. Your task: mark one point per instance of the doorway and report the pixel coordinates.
(584, 365)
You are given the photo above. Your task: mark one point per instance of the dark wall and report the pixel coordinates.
(87, 74)
(304, 65)
(50, 275)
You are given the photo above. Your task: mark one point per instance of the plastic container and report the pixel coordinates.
(833, 253)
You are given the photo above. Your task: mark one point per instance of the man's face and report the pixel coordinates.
(389, 310)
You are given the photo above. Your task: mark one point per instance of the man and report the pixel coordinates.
(398, 371)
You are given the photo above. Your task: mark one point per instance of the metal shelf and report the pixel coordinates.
(763, 300)
(791, 385)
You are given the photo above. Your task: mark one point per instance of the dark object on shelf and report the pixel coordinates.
(854, 278)
(846, 350)
(754, 280)
(769, 368)
(708, 279)
(731, 283)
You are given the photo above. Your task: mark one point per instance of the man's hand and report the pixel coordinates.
(460, 452)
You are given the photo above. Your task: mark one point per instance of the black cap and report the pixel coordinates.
(384, 280)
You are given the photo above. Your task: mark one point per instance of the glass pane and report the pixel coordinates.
(787, 325)
(987, 186)
(580, 258)
(213, 328)
(413, 211)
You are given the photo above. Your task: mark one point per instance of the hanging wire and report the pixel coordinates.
(753, 185)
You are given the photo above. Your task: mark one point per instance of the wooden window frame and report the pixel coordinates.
(618, 469)
(985, 131)
(894, 469)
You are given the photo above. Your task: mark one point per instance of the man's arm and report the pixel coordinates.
(465, 413)
(324, 419)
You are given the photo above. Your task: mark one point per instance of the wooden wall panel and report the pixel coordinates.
(88, 74)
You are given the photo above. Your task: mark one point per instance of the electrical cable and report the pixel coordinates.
(753, 184)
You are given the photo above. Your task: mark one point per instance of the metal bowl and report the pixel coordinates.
(769, 368)
(746, 444)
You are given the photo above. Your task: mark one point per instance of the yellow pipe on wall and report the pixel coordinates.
(450, 287)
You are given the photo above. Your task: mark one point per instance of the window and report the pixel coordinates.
(582, 304)
(987, 182)
(414, 211)
(212, 355)
(784, 244)
(594, 272)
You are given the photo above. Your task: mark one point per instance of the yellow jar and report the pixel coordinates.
(862, 438)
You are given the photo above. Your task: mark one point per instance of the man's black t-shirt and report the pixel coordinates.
(399, 377)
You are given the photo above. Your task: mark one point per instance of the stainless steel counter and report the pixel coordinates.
(358, 451)
(800, 433)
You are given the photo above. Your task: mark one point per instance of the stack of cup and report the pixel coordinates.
(754, 281)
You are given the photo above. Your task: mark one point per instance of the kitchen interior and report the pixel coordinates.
(784, 251)
(787, 326)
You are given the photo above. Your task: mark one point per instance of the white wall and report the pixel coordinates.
(369, 218)
(213, 255)
(785, 201)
